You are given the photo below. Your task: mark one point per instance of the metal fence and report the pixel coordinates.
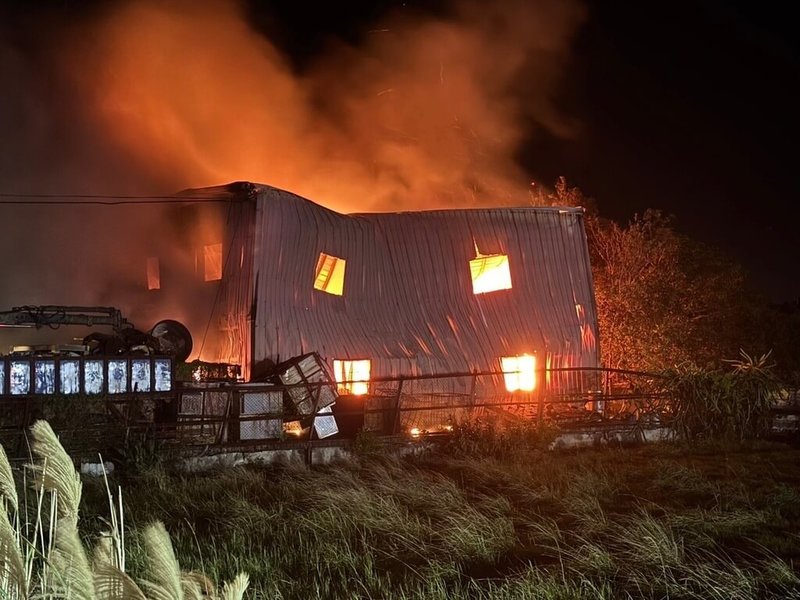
(219, 414)
(262, 416)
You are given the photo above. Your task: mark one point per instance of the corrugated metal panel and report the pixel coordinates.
(232, 307)
(408, 303)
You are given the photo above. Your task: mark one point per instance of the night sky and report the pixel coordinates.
(690, 107)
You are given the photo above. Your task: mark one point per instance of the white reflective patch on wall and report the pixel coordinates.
(69, 377)
(20, 378)
(93, 376)
(117, 376)
(163, 369)
(140, 375)
(2, 377)
(45, 377)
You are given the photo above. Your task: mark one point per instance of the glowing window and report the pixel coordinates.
(519, 372)
(352, 376)
(329, 276)
(212, 262)
(153, 274)
(490, 273)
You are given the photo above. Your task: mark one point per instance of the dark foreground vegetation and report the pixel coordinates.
(489, 517)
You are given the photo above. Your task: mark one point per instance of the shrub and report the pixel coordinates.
(716, 404)
(480, 438)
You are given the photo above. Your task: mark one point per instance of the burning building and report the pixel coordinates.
(261, 275)
(379, 295)
(439, 307)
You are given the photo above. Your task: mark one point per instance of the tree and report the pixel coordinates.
(662, 298)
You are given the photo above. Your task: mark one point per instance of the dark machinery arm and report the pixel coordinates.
(55, 316)
(166, 336)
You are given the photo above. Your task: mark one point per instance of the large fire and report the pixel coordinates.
(155, 96)
(427, 113)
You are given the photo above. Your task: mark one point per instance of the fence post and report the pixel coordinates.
(233, 421)
(474, 386)
(397, 403)
(311, 429)
(540, 383)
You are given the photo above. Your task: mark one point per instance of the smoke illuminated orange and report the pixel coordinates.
(427, 114)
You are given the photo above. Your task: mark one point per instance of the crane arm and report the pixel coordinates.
(54, 316)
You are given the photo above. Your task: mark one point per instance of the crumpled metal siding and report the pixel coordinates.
(408, 303)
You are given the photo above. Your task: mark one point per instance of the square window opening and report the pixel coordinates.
(352, 376)
(519, 372)
(329, 274)
(490, 273)
(153, 274)
(212, 262)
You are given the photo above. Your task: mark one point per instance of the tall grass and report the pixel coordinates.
(634, 523)
(42, 555)
(723, 404)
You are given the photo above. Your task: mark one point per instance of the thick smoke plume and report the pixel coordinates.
(427, 112)
(150, 97)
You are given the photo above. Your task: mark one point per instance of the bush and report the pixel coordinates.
(727, 405)
(479, 438)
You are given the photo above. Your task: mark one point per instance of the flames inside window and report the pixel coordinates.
(153, 274)
(329, 276)
(519, 372)
(352, 376)
(490, 273)
(212, 262)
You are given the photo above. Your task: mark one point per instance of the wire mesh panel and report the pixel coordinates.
(325, 423)
(45, 377)
(69, 377)
(140, 375)
(202, 415)
(20, 380)
(306, 378)
(261, 403)
(434, 404)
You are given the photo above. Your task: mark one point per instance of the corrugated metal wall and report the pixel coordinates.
(226, 335)
(408, 303)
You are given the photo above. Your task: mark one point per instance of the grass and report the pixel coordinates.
(650, 522)
(42, 554)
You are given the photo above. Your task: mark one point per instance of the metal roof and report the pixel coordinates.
(408, 303)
